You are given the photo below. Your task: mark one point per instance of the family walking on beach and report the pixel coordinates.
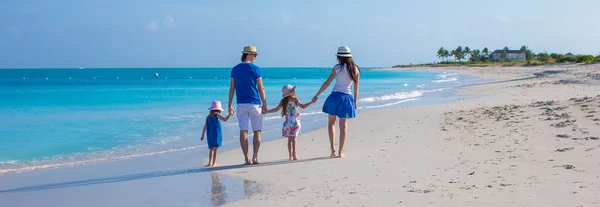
(247, 85)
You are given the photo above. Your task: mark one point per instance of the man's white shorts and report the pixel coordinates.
(252, 113)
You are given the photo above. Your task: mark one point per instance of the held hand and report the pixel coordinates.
(231, 111)
(264, 109)
(314, 99)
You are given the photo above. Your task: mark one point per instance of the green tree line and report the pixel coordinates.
(484, 55)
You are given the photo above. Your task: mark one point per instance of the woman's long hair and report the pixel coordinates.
(351, 67)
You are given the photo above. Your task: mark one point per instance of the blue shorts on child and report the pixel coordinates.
(340, 105)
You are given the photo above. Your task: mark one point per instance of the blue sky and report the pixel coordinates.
(187, 33)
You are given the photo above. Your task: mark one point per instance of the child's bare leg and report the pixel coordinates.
(331, 130)
(215, 153)
(210, 157)
(294, 157)
(290, 147)
(343, 131)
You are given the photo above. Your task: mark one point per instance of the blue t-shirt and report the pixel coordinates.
(246, 90)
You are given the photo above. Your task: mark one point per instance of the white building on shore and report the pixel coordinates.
(511, 55)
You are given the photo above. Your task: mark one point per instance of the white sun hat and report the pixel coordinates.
(287, 90)
(344, 51)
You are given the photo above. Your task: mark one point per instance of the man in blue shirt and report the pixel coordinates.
(246, 84)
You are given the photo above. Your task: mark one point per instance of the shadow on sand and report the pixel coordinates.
(148, 175)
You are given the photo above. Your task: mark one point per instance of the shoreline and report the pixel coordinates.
(447, 166)
(429, 96)
(135, 173)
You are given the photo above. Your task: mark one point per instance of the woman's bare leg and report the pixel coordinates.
(331, 130)
(343, 131)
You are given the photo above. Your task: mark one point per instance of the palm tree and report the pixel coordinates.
(475, 55)
(504, 54)
(440, 53)
(458, 53)
(527, 51)
(524, 48)
(455, 54)
(446, 55)
(486, 52)
(467, 51)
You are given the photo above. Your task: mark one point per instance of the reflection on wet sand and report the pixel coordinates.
(219, 194)
(251, 188)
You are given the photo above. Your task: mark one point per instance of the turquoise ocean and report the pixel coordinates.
(59, 117)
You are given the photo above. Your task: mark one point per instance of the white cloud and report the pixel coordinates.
(169, 22)
(285, 17)
(501, 18)
(152, 26)
(166, 23)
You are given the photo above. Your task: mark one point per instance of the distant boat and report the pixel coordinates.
(155, 74)
(81, 68)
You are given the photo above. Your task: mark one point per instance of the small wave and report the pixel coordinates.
(182, 117)
(436, 90)
(388, 104)
(279, 116)
(7, 162)
(445, 80)
(421, 86)
(395, 96)
(167, 140)
(54, 163)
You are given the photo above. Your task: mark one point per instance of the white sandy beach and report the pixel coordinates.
(525, 140)
(528, 139)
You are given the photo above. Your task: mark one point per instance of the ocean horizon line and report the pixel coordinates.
(96, 68)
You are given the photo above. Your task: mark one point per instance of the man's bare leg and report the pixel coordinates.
(244, 145)
(256, 145)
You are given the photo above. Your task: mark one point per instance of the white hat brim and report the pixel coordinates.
(290, 93)
(344, 55)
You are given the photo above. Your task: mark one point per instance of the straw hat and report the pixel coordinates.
(216, 105)
(287, 90)
(249, 50)
(344, 51)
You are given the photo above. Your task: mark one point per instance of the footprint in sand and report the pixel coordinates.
(564, 149)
